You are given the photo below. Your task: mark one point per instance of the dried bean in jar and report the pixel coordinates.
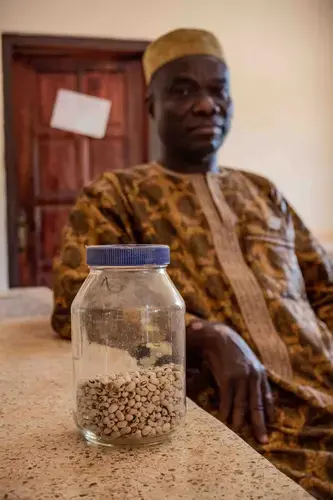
(104, 408)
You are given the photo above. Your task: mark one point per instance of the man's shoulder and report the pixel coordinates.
(253, 177)
(132, 171)
(113, 180)
(261, 183)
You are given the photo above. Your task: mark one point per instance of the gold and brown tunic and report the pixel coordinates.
(239, 255)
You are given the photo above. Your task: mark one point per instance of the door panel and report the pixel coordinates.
(112, 86)
(50, 221)
(108, 154)
(57, 170)
(48, 86)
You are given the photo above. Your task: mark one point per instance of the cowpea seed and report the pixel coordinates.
(122, 424)
(113, 408)
(131, 386)
(150, 408)
(146, 430)
(118, 383)
(120, 415)
(154, 381)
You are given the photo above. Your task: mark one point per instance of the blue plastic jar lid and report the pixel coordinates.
(128, 255)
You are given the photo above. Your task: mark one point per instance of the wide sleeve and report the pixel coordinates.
(99, 217)
(315, 263)
(317, 270)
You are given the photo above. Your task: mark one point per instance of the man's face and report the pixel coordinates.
(190, 101)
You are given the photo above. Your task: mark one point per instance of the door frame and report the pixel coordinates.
(13, 44)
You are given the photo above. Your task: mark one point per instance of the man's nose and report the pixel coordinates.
(206, 105)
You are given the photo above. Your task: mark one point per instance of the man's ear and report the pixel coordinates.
(150, 104)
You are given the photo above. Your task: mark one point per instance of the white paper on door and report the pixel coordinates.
(80, 113)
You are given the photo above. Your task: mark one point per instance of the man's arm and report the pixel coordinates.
(99, 217)
(315, 264)
(317, 270)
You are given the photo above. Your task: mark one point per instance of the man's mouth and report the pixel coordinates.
(206, 129)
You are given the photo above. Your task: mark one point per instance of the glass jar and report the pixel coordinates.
(128, 342)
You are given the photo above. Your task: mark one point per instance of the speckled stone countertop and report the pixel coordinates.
(20, 302)
(42, 457)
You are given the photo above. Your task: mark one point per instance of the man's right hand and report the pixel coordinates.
(241, 378)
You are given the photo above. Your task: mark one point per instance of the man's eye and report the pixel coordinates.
(222, 92)
(181, 91)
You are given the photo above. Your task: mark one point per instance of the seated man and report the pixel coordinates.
(257, 286)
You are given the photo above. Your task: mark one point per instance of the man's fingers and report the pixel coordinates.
(257, 410)
(224, 385)
(268, 400)
(240, 405)
(226, 394)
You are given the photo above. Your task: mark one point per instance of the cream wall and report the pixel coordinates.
(281, 56)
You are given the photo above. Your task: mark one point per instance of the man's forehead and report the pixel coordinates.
(195, 67)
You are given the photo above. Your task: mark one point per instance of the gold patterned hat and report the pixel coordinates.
(179, 43)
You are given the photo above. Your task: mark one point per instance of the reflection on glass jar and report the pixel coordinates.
(128, 340)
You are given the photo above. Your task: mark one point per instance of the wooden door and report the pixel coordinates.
(53, 165)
